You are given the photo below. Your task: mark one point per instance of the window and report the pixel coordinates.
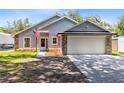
(27, 41)
(54, 40)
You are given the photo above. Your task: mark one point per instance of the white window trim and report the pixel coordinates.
(24, 41)
(56, 39)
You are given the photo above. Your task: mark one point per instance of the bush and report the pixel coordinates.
(26, 49)
(54, 52)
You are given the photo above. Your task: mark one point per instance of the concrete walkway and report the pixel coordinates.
(41, 54)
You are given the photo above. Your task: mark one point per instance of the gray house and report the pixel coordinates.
(67, 35)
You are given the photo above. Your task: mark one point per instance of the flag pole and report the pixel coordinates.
(37, 35)
(36, 44)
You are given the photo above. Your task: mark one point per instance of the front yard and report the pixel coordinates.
(25, 67)
(17, 57)
(22, 57)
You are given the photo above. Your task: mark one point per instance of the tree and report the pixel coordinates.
(27, 23)
(18, 25)
(15, 26)
(74, 14)
(120, 25)
(9, 28)
(2, 29)
(114, 29)
(99, 21)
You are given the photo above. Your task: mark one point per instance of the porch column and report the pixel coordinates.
(64, 44)
(38, 44)
(108, 44)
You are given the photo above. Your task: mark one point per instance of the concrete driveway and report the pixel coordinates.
(100, 68)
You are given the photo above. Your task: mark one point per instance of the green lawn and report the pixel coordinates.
(17, 57)
(21, 57)
(114, 52)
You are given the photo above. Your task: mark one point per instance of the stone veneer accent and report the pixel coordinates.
(108, 44)
(64, 44)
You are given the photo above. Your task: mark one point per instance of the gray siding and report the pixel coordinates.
(86, 26)
(27, 34)
(53, 29)
(58, 27)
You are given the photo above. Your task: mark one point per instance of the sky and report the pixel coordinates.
(37, 15)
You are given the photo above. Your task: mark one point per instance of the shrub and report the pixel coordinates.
(54, 52)
(26, 49)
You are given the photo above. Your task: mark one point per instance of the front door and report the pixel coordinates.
(43, 44)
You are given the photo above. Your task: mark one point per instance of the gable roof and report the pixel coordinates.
(64, 17)
(96, 25)
(36, 25)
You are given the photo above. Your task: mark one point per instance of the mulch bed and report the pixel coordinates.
(46, 70)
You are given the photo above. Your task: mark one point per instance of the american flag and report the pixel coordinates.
(37, 33)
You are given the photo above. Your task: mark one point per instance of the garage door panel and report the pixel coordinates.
(85, 45)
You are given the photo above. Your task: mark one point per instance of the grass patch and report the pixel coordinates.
(17, 57)
(114, 52)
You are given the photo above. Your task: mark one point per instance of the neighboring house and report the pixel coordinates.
(114, 43)
(121, 43)
(118, 43)
(61, 32)
(6, 39)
